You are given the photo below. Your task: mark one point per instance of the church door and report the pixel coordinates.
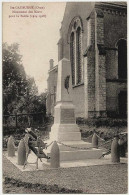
(122, 103)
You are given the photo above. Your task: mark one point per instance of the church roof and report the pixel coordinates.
(119, 3)
(113, 3)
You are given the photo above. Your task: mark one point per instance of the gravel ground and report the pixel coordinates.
(94, 179)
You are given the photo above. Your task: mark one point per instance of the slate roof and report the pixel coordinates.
(119, 3)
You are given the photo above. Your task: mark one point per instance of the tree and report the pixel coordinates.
(20, 93)
(13, 76)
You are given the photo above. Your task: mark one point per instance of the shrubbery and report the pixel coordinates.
(99, 122)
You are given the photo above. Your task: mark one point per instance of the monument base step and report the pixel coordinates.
(71, 145)
(80, 154)
(76, 150)
(83, 163)
(74, 145)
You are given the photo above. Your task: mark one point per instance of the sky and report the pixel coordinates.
(37, 36)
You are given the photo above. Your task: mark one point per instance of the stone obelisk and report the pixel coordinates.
(64, 127)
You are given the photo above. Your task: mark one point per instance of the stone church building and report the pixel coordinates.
(93, 36)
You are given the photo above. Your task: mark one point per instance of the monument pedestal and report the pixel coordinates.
(64, 127)
(65, 130)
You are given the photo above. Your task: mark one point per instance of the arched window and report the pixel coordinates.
(72, 57)
(78, 55)
(75, 33)
(122, 59)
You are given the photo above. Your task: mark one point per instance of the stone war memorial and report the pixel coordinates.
(65, 147)
(65, 129)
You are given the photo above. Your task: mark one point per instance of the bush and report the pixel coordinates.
(102, 122)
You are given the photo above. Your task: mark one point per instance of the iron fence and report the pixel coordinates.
(23, 120)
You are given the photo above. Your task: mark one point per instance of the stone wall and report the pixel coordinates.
(78, 100)
(89, 68)
(100, 69)
(115, 28)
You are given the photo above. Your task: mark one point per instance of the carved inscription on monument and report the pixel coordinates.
(67, 116)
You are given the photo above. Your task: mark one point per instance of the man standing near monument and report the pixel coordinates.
(36, 144)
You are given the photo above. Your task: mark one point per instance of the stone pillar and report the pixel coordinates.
(100, 69)
(64, 128)
(21, 153)
(60, 49)
(55, 156)
(11, 147)
(89, 68)
(115, 151)
(95, 141)
(51, 63)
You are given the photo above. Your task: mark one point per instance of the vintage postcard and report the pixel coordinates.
(64, 81)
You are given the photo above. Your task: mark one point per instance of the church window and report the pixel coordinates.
(72, 49)
(78, 54)
(76, 51)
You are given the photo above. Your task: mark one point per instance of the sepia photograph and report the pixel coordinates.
(64, 97)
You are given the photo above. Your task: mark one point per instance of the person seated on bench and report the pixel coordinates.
(35, 141)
